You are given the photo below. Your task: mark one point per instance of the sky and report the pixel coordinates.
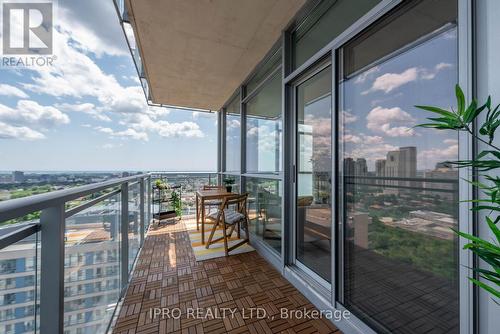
(379, 104)
(88, 110)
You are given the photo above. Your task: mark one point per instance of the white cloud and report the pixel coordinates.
(393, 122)
(371, 152)
(443, 66)
(87, 108)
(104, 130)
(128, 133)
(348, 138)
(75, 75)
(429, 158)
(391, 81)
(451, 141)
(99, 33)
(361, 78)
(164, 128)
(373, 139)
(133, 134)
(8, 90)
(233, 123)
(263, 135)
(145, 123)
(156, 112)
(30, 112)
(79, 81)
(182, 129)
(362, 138)
(349, 117)
(18, 132)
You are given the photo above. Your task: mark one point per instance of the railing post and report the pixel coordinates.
(124, 235)
(150, 203)
(141, 210)
(52, 227)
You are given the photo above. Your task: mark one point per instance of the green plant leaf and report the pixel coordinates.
(485, 207)
(472, 111)
(493, 228)
(492, 274)
(460, 100)
(486, 287)
(446, 113)
(478, 241)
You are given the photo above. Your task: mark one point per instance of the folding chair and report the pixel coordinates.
(232, 214)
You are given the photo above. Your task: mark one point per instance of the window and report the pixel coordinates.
(8, 266)
(400, 200)
(235, 185)
(314, 169)
(264, 129)
(264, 71)
(327, 21)
(233, 136)
(264, 210)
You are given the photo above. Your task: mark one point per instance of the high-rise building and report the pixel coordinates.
(18, 176)
(443, 170)
(401, 164)
(349, 170)
(349, 166)
(380, 170)
(360, 167)
(408, 164)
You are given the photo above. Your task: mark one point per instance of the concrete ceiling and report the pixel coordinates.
(197, 52)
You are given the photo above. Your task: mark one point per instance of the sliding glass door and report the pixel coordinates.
(399, 192)
(314, 172)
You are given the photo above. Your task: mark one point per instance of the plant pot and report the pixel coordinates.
(229, 189)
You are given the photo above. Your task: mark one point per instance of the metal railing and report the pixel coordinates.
(71, 267)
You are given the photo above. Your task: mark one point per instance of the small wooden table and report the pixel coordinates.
(207, 195)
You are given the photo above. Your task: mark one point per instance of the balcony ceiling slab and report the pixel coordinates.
(197, 52)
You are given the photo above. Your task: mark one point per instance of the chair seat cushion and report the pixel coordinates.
(230, 215)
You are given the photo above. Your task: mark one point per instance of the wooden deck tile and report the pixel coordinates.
(168, 276)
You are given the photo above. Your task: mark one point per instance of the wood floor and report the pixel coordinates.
(167, 278)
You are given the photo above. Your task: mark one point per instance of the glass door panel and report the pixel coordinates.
(400, 195)
(314, 169)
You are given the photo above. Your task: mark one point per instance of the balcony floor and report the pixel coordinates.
(168, 276)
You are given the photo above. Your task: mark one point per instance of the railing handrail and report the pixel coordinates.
(182, 172)
(395, 178)
(19, 207)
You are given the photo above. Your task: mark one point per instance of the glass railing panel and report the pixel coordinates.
(147, 206)
(134, 196)
(189, 182)
(121, 7)
(20, 286)
(30, 218)
(92, 267)
(264, 210)
(129, 34)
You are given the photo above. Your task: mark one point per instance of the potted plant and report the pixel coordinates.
(177, 203)
(483, 164)
(159, 184)
(229, 184)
